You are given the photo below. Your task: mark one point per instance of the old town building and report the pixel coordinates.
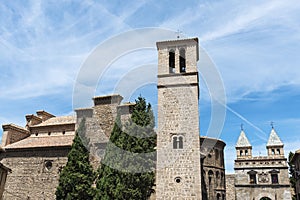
(261, 177)
(188, 166)
(296, 165)
(36, 154)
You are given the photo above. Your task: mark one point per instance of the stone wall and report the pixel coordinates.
(35, 173)
(178, 173)
(12, 134)
(213, 170)
(262, 186)
(99, 123)
(230, 189)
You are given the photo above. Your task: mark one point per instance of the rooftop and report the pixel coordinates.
(274, 139)
(42, 141)
(58, 121)
(243, 140)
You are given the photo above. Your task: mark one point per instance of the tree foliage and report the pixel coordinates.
(77, 177)
(127, 170)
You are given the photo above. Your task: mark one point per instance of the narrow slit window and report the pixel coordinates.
(174, 142)
(172, 61)
(273, 151)
(182, 62)
(180, 142)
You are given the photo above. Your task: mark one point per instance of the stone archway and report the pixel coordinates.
(265, 198)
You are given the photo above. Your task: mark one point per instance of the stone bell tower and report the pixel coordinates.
(178, 143)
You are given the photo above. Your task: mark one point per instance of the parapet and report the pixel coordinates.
(109, 99)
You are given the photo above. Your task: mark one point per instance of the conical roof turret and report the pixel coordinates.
(243, 140)
(274, 139)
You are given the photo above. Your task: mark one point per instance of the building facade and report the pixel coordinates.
(36, 154)
(213, 169)
(296, 165)
(262, 177)
(3, 174)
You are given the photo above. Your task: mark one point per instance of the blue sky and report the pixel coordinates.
(255, 47)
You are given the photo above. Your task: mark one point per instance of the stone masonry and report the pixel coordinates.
(262, 176)
(37, 159)
(178, 173)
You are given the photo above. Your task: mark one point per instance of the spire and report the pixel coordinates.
(274, 139)
(243, 140)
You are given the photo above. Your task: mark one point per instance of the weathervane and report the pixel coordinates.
(178, 32)
(242, 126)
(272, 125)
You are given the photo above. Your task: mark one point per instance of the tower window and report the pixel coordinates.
(182, 63)
(241, 152)
(246, 152)
(273, 151)
(178, 142)
(278, 151)
(217, 178)
(171, 61)
(210, 175)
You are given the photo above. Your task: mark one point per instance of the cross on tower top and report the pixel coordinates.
(178, 32)
(272, 124)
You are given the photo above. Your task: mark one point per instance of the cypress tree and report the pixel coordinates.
(127, 170)
(77, 177)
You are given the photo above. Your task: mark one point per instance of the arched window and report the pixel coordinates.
(178, 142)
(278, 151)
(210, 176)
(241, 152)
(182, 63)
(171, 61)
(246, 152)
(222, 179)
(217, 178)
(218, 196)
(217, 154)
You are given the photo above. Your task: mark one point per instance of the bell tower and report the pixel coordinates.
(178, 141)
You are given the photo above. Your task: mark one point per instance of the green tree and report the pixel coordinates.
(292, 174)
(127, 170)
(77, 177)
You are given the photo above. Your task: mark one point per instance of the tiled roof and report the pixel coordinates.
(14, 126)
(42, 141)
(243, 140)
(58, 121)
(274, 139)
